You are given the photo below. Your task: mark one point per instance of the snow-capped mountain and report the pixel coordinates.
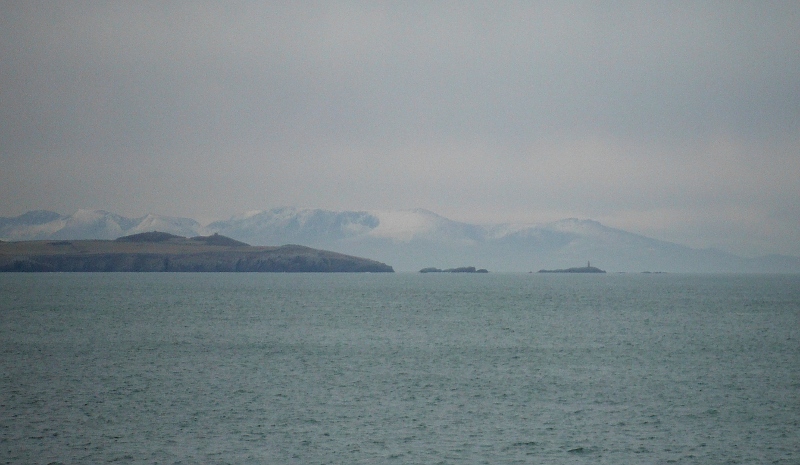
(406, 226)
(33, 225)
(89, 224)
(413, 239)
(180, 226)
(296, 226)
(281, 225)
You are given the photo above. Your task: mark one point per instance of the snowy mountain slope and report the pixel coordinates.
(94, 224)
(296, 226)
(37, 224)
(179, 226)
(403, 226)
(90, 224)
(413, 239)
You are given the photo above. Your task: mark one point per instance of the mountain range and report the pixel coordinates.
(410, 240)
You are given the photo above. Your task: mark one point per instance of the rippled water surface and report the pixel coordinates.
(399, 368)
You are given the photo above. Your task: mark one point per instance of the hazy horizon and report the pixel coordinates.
(676, 121)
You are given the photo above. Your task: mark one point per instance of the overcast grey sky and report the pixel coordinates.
(678, 120)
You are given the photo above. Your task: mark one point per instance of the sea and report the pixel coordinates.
(403, 368)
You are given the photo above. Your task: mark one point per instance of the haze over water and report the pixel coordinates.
(402, 368)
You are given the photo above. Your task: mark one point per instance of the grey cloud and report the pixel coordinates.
(518, 109)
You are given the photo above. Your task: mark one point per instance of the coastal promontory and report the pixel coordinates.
(157, 251)
(582, 269)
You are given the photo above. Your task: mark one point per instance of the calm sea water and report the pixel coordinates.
(402, 368)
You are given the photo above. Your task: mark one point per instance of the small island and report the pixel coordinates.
(463, 269)
(582, 269)
(158, 251)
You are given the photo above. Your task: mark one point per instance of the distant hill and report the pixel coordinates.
(152, 236)
(158, 236)
(412, 239)
(217, 239)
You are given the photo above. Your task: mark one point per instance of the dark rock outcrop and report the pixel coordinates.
(463, 269)
(583, 269)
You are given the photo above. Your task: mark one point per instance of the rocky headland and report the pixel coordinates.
(158, 251)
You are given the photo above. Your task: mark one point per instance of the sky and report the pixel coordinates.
(676, 120)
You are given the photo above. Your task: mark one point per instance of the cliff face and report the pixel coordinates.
(175, 253)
